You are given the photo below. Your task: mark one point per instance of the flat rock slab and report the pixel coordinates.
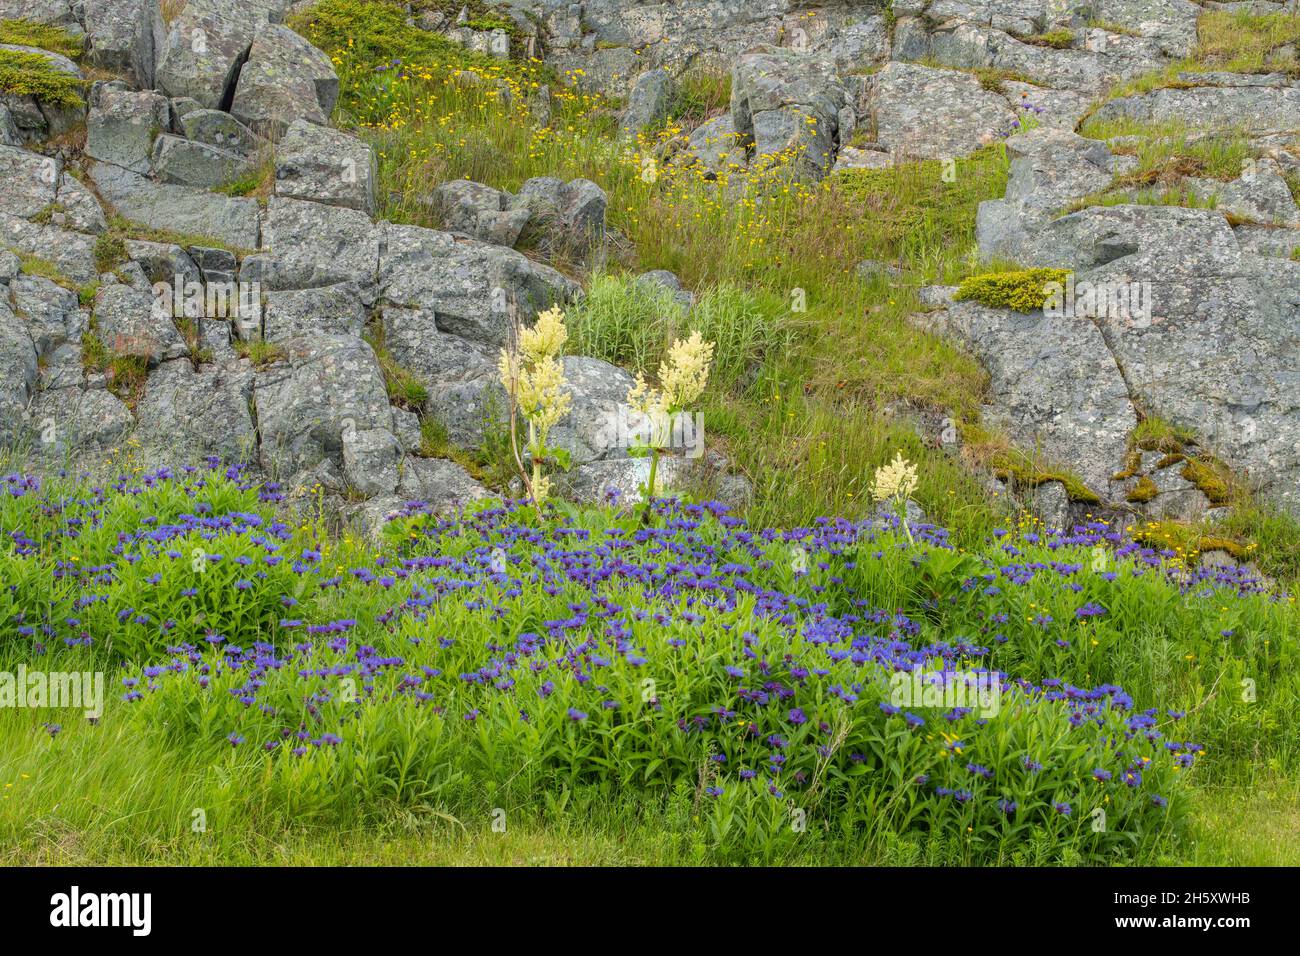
(930, 113)
(233, 221)
(326, 165)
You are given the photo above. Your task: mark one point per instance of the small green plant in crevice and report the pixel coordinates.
(259, 351)
(1022, 290)
(1056, 39)
(110, 252)
(126, 375)
(1156, 434)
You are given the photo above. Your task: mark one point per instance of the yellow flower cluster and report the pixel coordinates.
(682, 378)
(533, 375)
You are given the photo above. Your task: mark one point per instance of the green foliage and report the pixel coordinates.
(1022, 290)
(632, 324)
(395, 756)
(30, 74)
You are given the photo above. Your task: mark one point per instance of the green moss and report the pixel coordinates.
(1132, 465)
(1023, 291)
(42, 35)
(1189, 539)
(1210, 477)
(1168, 461)
(30, 74)
(1144, 491)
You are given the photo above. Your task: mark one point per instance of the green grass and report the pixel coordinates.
(1056, 39)
(261, 353)
(37, 266)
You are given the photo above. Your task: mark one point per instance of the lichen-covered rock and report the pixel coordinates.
(325, 165)
(285, 79)
(326, 384)
(123, 124)
(563, 216)
(930, 113)
(68, 421)
(370, 460)
(310, 244)
(1259, 108)
(479, 211)
(788, 105)
(428, 486)
(52, 314)
(123, 36)
(18, 373)
(28, 181)
(233, 220)
(191, 163)
(129, 322)
(333, 309)
(36, 119)
(164, 262)
(72, 253)
(473, 289)
(1050, 168)
(650, 101)
(188, 415)
(1053, 384)
(215, 128)
(205, 47)
(717, 146)
(9, 132)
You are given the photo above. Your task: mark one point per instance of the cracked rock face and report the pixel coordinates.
(1213, 347)
(178, 144)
